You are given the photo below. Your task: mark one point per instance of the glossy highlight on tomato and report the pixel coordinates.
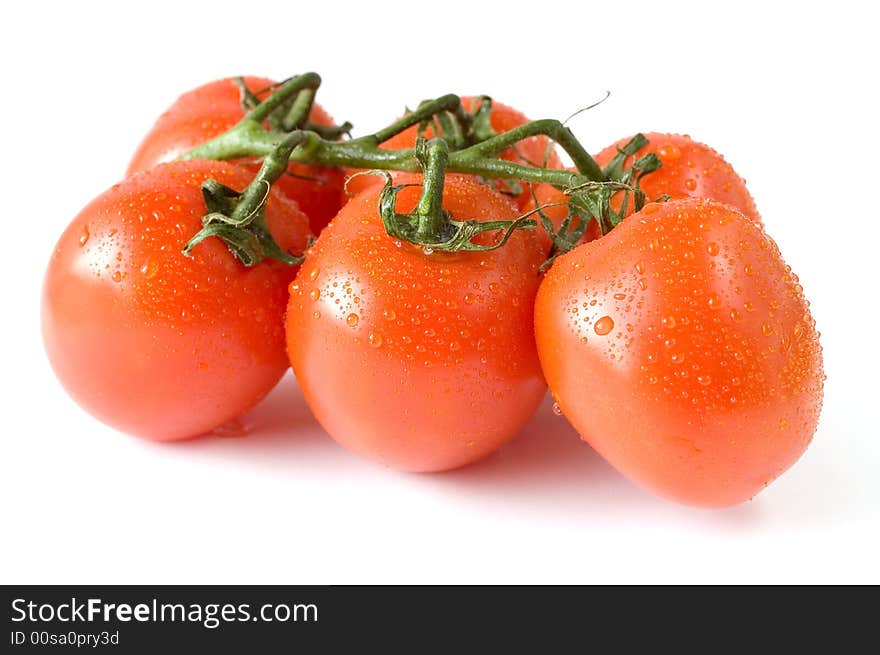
(420, 361)
(210, 110)
(681, 347)
(148, 340)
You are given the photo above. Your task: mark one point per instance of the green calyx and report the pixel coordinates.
(239, 218)
(429, 225)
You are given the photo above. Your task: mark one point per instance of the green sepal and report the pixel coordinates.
(456, 236)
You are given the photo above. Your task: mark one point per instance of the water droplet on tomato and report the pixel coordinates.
(603, 326)
(315, 294)
(669, 151)
(314, 273)
(389, 314)
(428, 251)
(712, 249)
(84, 237)
(316, 315)
(767, 329)
(704, 380)
(713, 301)
(690, 184)
(375, 339)
(352, 320)
(557, 410)
(117, 276)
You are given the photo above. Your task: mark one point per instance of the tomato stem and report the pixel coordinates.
(467, 144)
(434, 156)
(239, 219)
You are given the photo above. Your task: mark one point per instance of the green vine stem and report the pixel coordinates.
(249, 139)
(468, 145)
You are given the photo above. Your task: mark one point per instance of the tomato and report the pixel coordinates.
(680, 346)
(690, 170)
(532, 151)
(150, 341)
(212, 109)
(423, 362)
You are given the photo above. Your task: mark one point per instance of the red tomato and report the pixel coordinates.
(532, 151)
(210, 110)
(150, 341)
(423, 362)
(680, 346)
(690, 170)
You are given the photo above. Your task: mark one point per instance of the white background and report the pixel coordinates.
(788, 95)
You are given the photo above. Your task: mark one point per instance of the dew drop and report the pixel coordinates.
(704, 380)
(690, 184)
(557, 410)
(603, 326)
(640, 268)
(84, 237)
(313, 275)
(352, 320)
(713, 301)
(712, 249)
(117, 276)
(375, 339)
(316, 315)
(315, 294)
(389, 314)
(767, 329)
(428, 251)
(669, 151)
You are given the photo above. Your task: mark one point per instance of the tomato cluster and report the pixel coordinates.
(678, 344)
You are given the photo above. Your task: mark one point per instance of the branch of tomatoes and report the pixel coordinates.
(277, 130)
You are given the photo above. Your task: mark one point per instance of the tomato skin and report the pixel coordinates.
(690, 170)
(680, 346)
(532, 151)
(210, 110)
(155, 343)
(420, 362)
